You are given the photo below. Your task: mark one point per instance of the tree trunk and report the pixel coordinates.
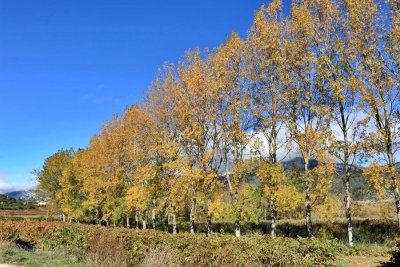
(237, 228)
(166, 224)
(144, 224)
(98, 216)
(308, 200)
(153, 213)
(64, 219)
(347, 197)
(153, 218)
(128, 223)
(174, 224)
(137, 220)
(347, 201)
(192, 227)
(273, 217)
(308, 213)
(209, 225)
(396, 191)
(395, 185)
(192, 216)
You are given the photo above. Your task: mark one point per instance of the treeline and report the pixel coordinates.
(10, 203)
(208, 140)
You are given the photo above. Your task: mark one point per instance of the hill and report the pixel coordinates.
(28, 195)
(10, 203)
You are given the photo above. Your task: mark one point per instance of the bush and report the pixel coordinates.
(124, 247)
(395, 259)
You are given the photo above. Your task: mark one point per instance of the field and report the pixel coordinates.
(25, 213)
(42, 243)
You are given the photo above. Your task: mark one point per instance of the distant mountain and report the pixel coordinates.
(298, 163)
(29, 195)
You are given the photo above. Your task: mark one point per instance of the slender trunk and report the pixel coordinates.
(153, 218)
(166, 223)
(192, 216)
(347, 197)
(227, 177)
(174, 224)
(395, 186)
(209, 225)
(396, 191)
(153, 213)
(137, 220)
(107, 223)
(308, 213)
(237, 228)
(64, 219)
(308, 200)
(347, 201)
(128, 223)
(98, 216)
(192, 227)
(273, 217)
(70, 220)
(144, 224)
(397, 197)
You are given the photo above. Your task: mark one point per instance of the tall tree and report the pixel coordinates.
(374, 47)
(307, 113)
(265, 60)
(50, 177)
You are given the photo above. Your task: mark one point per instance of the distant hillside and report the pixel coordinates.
(29, 195)
(358, 183)
(298, 163)
(11, 203)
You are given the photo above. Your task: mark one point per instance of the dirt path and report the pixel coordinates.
(363, 261)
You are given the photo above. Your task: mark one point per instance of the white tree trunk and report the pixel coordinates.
(347, 201)
(308, 200)
(209, 225)
(237, 228)
(273, 217)
(174, 231)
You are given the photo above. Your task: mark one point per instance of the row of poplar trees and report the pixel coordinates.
(211, 132)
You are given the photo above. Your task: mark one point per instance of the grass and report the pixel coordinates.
(12, 254)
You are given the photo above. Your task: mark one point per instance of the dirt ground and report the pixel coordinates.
(363, 261)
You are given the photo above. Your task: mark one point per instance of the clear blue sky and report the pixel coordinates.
(67, 66)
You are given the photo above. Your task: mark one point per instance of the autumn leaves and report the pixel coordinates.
(206, 141)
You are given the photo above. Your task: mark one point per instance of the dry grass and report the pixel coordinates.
(107, 251)
(40, 211)
(160, 258)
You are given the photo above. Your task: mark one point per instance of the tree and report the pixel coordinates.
(306, 110)
(50, 177)
(265, 58)
(275, 184)
(374, 47)
(338, 80)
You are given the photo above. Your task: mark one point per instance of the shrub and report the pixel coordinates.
(124, 247)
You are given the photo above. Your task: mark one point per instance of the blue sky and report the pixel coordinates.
(67, 66)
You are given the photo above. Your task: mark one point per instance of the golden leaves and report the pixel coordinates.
(378, 178)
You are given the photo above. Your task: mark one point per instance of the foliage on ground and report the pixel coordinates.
(135, 247)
